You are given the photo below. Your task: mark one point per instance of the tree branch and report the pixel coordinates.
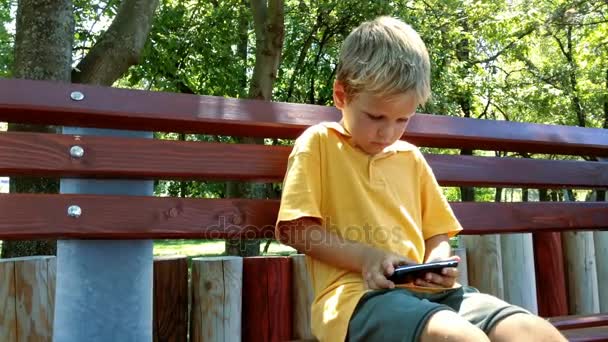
(120, 46)
(562, 48)
(518, 37)
(303, 52)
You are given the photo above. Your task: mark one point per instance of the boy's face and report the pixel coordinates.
(374, 122)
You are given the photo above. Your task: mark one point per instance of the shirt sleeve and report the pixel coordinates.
(301, 195)
(437, 215)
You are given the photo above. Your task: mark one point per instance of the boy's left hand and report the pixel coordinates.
(447, 278)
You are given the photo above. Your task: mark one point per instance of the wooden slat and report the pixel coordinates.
(484, 218)
(551, 292)
(41, 102)
(452, 170)
(579, 321)
(48, 155)
(27, 216)
(587, 334)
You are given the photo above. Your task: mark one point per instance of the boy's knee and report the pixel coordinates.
(446, 325)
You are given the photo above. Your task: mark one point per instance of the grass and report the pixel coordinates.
(196, 248)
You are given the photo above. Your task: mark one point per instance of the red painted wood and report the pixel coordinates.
(487, 218)
(106, 157)
(43, 102)
(579, 321)
(170, 322)
(587, 334)
(47, 155)
(133, 217)
(267, 306)
(34, 216)
(551, 293)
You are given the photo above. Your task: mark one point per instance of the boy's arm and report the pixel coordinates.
(438, 248)
(308, 236)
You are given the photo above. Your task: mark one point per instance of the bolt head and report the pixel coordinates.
(74, 211)
(77, 96)
(76, 151)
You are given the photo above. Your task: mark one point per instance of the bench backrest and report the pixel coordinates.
(28, 216)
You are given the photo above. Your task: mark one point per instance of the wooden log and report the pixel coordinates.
(463, 271)
(484, 263)
(8, 315)
(27, 298)
(600, 240)
(581, 272)
(601, 254)
(170, 317)
(518, 270)
(267, 293)
(302, 298)
(216, 299)
(550, 274)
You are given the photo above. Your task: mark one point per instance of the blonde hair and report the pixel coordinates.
(385, 57)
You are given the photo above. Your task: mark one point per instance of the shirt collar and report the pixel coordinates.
(398, 146)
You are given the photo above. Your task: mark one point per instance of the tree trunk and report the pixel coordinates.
(268, 20)
(120, 46)
(606, 103)
(43, 51)
(575, 98)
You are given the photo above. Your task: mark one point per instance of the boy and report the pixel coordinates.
(359, 202)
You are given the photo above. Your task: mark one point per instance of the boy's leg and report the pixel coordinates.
(399, 315)
(499, 319)
(525, 327)
(447, 325)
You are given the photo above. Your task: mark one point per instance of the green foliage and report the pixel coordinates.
(533, 61)
(92, 18)
(193, 48)
(7, 37)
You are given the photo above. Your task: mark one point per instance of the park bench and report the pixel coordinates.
(268, 289)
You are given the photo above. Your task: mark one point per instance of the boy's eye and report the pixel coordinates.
(372, 117)
(404, 120)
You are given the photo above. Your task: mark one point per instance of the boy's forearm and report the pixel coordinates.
(437, 248)
(309, 237)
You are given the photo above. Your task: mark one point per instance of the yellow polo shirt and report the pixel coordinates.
(391, 201)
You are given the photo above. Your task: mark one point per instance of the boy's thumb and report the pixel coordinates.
(454, 257)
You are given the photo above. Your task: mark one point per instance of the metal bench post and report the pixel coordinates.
(104, 287)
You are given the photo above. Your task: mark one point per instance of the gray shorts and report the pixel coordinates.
(401, 315)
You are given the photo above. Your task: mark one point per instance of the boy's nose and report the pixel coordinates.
(384, 133)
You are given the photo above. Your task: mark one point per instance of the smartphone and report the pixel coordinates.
(409, 273)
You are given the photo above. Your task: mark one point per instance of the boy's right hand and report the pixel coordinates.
(379, 265)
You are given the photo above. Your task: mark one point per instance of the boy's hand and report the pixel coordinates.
(378, 265)
(447, 278)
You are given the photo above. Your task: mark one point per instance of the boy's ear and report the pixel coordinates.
(339, 94)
